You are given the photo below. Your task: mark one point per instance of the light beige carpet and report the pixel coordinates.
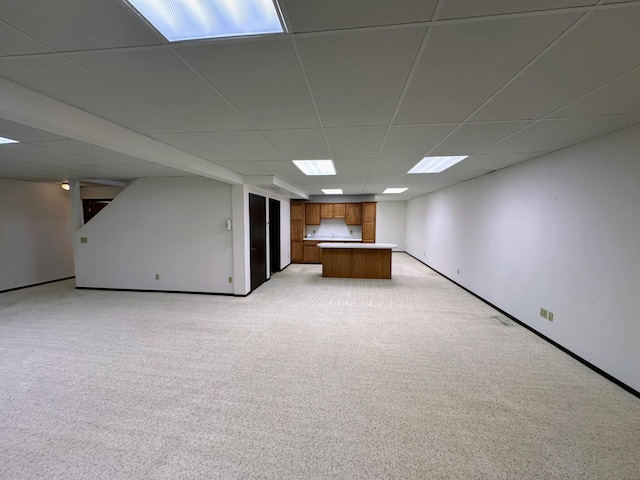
(307, 378)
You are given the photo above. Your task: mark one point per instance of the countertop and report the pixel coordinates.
(376, 246)
(332, 239)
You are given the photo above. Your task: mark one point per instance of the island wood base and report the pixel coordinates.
(356, 263)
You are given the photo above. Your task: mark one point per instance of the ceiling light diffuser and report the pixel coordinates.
(436, 164)
(332, 191)
(7, 140)
(395, 190)
(180, 20)
(316, 167)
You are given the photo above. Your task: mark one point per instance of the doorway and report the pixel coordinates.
(274, 235)
(258, 239)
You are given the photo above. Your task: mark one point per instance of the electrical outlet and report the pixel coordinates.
(550, 316)
(84, 239)
(230, 279)
(458, 271)
(157, 276)
(544, 313)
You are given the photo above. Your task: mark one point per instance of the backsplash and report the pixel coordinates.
(331, 227)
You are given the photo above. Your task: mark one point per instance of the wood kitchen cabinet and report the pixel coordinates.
(326, 210)
(297, 232)
(353, 213)
(297, 252)
(368, 222)
(297, 211)
(311, 253)
(339, 210)
(312, 214)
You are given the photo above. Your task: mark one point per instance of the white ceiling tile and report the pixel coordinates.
(618, 97)
(354, 166)
(397, 166)
(63, 80)
(23, 133)
(473, 137)
(92, 152)
(466, 8)
(602, 47)
(280, 168)
(464, 64)
(355, 142)
(197, 144)
(160, 78)
(14, 42)
(357, 78)
(313, 16)
(260, 78)
(553, 134)
(302, 144)
(80, 24)
(244, 167)
(484, 162)
(413, 140)
(248, 145)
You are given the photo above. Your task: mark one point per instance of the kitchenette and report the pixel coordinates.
(341, 237)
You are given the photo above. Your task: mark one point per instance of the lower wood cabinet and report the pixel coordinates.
(297, 252)
(311, 252)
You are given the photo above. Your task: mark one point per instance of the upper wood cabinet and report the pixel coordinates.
(312, 214)
(339, 210)
(353, 214)
(326, 210)
(297, 211)
(368, 222)
(368, 211)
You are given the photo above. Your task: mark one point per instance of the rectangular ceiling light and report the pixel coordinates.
(7, 140)
(332, 191)
(395, 190)
(316, 167)
(180, 20)
(435, 164)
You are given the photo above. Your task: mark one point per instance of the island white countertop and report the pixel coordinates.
(373, 246)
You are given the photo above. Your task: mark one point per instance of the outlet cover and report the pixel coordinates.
(230, 279)
(157, 276)
(84, 239)
(543, 312)
(550, 316)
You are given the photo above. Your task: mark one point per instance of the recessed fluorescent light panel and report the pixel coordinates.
(7, 140)
(332, 191)
(180, 20)
(436, 164)
(316, 167)
(395, 190)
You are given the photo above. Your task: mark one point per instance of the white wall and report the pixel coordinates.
(174, 227)
(35, 233)
(391, 222)
(102, 192)
(560, 232)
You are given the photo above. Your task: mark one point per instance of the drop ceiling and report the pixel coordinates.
(91, 91)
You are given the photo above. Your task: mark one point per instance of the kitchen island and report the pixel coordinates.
(356, 260)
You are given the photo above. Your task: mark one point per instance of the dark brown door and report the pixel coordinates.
(258, 239)
(274, 235)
